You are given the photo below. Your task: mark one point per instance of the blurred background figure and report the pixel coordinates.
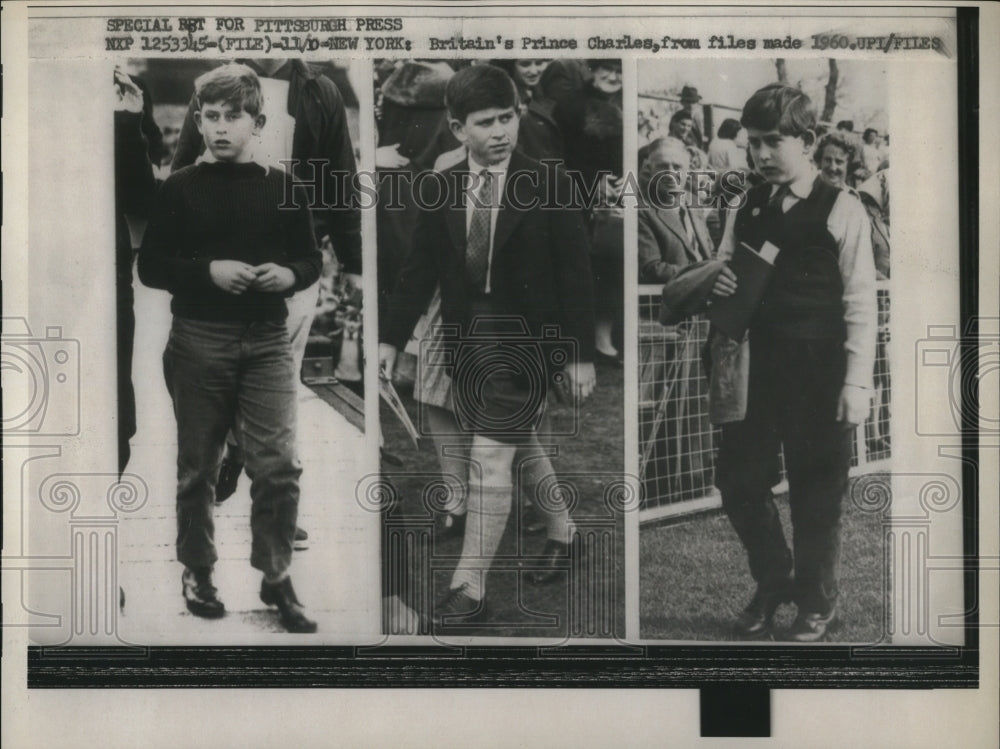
(138, 146)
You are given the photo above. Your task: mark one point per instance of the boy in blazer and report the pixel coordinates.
(513, 269)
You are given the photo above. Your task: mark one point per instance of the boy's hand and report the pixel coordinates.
(388, 157)
(580, 379)
(232, 276)
(273, 278)
(854, 405)
(386, 360)
(725, 282)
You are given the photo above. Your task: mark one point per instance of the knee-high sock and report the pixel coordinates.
(538, 477)
(489, 508)
(452, 447)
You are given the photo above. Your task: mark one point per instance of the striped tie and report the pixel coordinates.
(477, 251)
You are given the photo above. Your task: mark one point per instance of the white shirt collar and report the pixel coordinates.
(499, 168)
(801, 187)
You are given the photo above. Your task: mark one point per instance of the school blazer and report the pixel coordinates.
(663, 243)
(540, 267)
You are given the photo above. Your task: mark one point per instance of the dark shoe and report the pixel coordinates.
(754, 622)
(229, 477)
(301, 542)
(533, 522)
(813, 626)
(557, 557)
(449, 526)
(456, 609)
(200, 595)
(282, 595)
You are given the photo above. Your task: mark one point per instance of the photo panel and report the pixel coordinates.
(503, 480)
(257, 383)
(767, 513)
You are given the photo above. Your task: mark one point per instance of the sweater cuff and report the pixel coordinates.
(860, 373)
(202, 271)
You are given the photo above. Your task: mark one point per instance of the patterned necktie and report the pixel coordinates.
(477, 249)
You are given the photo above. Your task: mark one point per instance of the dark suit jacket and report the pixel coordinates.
(540, 267)
(663, 243)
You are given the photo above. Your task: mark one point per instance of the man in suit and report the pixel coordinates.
(671, 236)
(510, 263)
(671, 233)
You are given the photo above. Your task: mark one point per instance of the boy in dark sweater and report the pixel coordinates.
(230, 240)
(812, 351)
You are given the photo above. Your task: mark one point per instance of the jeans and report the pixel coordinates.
(237, 375)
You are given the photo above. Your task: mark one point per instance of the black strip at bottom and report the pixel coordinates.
(735, 711)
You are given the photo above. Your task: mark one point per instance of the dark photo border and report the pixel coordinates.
(623, 666)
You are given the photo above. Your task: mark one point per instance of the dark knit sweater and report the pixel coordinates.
(227, 211)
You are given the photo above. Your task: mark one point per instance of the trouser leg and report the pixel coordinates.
(266, 427)
(125, 298)
(817, 459)
(301, 311)
(746, 472)
(201, 369)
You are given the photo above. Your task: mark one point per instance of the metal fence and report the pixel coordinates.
(677, 443)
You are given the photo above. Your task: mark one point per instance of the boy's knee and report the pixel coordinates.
(490, 464)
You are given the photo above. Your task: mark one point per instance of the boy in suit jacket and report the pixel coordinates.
(512, 268)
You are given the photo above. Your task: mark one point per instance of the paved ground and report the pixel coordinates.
(337, 578)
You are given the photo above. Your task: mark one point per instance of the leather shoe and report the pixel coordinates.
(813, 626)
(532, 520)
(556, 560)
(449, 526)
(229, 476)
(755, 620)
(282, 595)
(456, 609)
(200, 595)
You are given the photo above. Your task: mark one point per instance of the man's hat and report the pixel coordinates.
(689, 95)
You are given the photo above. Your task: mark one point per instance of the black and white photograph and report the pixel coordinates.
(764, 385)
(240, 359)
(497, 374)
(501, 345)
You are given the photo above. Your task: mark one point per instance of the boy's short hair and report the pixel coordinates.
(729, 129)
(782, 108)
(847, 125)
(234, 84)
(479, 87)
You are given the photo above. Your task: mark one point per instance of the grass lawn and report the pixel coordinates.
(694, 578)
(590, 601)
